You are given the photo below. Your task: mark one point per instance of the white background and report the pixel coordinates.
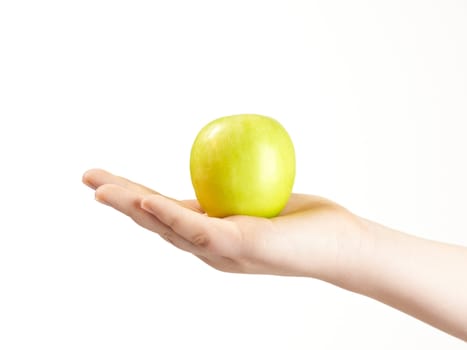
(374, 95)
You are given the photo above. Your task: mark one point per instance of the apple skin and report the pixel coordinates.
(243, 165)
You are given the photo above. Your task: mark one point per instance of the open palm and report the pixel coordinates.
(309, 237)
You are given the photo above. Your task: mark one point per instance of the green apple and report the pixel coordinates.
(243, 165)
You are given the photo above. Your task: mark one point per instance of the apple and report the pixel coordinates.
(243, 165)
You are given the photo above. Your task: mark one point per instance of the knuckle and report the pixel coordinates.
(201, 240)
(136, 205)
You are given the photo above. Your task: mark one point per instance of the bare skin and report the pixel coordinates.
(312, 237)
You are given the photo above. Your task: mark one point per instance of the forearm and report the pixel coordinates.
(423, 278)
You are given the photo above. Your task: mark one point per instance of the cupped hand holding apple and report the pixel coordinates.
(300, 241)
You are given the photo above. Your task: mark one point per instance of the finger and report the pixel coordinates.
(95, 178)
(128, 203)
(215, 236)
(98, 177)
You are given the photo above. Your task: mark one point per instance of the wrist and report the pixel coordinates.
(354, 250)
